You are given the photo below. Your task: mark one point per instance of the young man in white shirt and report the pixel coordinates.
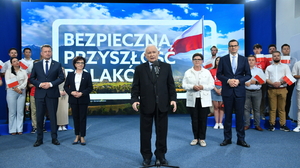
(277, 91)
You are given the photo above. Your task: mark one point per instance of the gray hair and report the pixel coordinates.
(150, 45)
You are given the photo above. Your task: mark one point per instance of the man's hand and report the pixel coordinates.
(135, 106)
(233, 82)
(276, 84)
(62, 93)
(45, 85)
(173, 103)
(248, 83)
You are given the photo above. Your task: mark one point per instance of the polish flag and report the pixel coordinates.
(24, 65)
(208, 66)
(260, 77)
(190, 39)
(269, 57)
(285, 59)
(13, 82)
(260, 57)
(289, 79)
(1, 64)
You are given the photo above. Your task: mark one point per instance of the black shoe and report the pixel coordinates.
(285, 128)
(55, 142)
(33, 130)
(243, 144)
(146, 162)
(162, 161)
(83, 143)
(226, 142)
(44, 130)
(272, 128)
(37, 143)
(74, 143)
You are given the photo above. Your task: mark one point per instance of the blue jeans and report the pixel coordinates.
(253, 98)
(16, 103)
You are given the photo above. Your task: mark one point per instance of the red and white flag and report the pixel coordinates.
(24, 65)
(207, 66)
(190, 39)
(1, 64)
(269, 57)
(289, 79)
(13, 82)
(260, 77)
(285, 59)
(260, 57)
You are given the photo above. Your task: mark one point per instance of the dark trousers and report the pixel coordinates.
(290, 90)
(199, 119)
(161, 129)
(43, 105)
(238, 103)
(79, 113)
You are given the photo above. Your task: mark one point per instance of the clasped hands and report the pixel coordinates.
(198, 87)
(233, 82)
(136, 104)
(76, 94)
(17, 90)
(45, 85)
(250, 82)
(276, 84)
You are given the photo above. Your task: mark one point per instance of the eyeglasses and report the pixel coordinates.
(233, 46)
(80, 63)
(197, 59)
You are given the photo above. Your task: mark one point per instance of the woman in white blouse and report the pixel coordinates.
(16, 82)
(198, 84)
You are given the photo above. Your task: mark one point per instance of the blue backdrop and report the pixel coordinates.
(259, 28)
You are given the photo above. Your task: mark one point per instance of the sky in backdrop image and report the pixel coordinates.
(112, 36)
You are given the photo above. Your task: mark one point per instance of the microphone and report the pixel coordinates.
(156, 67)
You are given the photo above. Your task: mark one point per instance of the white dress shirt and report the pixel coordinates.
(21, 77)
(275, 72)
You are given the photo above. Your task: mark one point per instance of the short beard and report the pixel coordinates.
(276, 61)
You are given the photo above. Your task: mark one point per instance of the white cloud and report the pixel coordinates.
(185, 7)
(194, 14)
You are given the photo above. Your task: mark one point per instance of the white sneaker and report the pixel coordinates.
(202, 143)
(194, 142)
(64, 128)
(216, 126)
(59, 128)
(297, 129)
(221, 126)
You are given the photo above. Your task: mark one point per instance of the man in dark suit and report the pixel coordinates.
(234, 71)
(154, 93)
(46, 75)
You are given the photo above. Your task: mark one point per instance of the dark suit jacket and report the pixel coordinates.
(55, 76)
(86, 87)
(242, 73)
(143, 88)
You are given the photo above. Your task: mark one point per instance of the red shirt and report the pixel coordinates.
(214, 75)
(32, 90)
(263, 64)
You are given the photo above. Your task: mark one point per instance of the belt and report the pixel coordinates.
(252, 90)
(277, 88)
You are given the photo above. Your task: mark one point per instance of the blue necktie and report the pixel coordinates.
(233, 64)
(47, 68)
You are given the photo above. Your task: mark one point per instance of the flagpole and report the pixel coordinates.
(203, 35)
